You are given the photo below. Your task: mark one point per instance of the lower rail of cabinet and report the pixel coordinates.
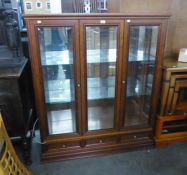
(58, 154)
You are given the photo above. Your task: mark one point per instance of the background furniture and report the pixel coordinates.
(171, 125)
(170, 129)
(9, 162)
(79, 6)
(94, 77)
(173, 73)
(16, 102)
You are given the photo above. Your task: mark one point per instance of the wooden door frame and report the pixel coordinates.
(37, 71)
(101, 22)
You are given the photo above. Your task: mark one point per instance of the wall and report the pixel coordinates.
(179, 39)
(177, 30)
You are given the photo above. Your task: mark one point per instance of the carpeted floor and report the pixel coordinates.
(171, 160)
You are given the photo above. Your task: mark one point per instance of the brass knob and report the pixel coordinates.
(63, 146)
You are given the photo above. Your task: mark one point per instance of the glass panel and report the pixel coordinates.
(141, 66)
(56, 50)
(101, 43)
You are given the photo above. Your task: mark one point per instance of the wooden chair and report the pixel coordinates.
(9, 162)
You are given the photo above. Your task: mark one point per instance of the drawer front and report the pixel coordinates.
(136, 136)
(63, 145)
(101, 141)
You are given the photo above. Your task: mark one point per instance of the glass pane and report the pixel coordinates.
(56, 50)
(101, 43)
(141, 65)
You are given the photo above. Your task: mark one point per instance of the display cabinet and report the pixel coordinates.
(96, 79)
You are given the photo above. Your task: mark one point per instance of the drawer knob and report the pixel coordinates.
(100, 141)
(135, 137)
(63, 146)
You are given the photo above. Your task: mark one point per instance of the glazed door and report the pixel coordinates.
(58, 61)
(100, 57)
(140, 73)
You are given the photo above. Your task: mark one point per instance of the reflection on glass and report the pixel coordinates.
(141, 65)
(56, 51)
(101, 44)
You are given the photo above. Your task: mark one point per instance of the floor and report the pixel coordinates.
(171, 160)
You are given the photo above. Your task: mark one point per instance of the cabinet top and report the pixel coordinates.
(173, 64)
(93, 15)
(12, 69)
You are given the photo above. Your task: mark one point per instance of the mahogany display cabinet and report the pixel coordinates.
(96, 79)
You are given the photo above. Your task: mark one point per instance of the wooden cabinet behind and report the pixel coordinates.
(174, 89)
(96, 80)
(171, 125)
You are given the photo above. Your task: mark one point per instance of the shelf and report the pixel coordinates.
(100, 117)
(65, 57)
(101, 56)
(59, 91)
(61, 121)
(56, 58)
(139, 56)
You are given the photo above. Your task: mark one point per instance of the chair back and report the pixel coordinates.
(9, 161)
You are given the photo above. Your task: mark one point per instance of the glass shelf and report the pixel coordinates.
(61, 121)
(64, 57)
(58, 91)
(101, 56)
(140, 56)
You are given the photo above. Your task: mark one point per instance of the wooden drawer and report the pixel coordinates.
(100, 141)
(63, 145)
(135, 136)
